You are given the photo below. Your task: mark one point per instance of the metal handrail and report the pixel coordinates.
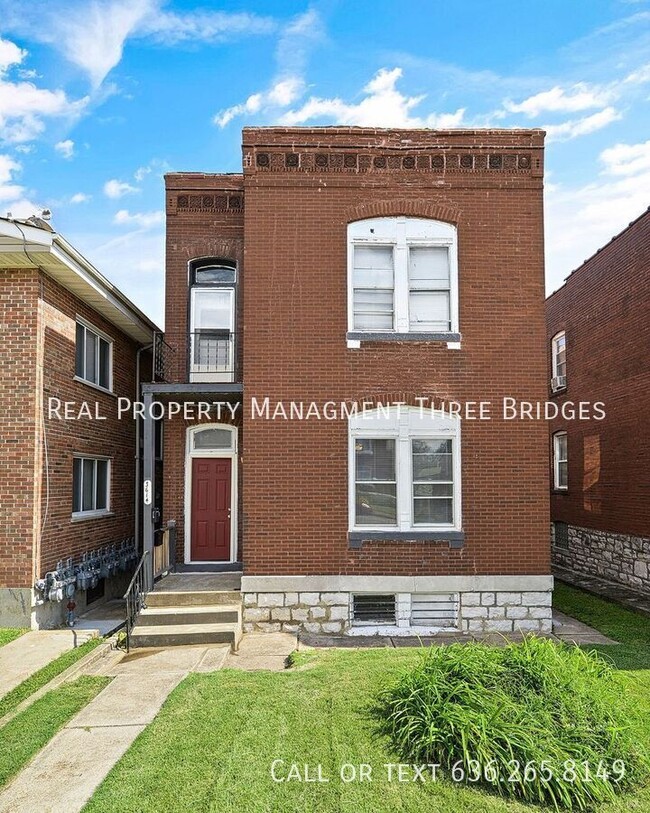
(136, 595)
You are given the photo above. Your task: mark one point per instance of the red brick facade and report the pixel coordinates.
(37, 331)
(285, 222)
(603, 307)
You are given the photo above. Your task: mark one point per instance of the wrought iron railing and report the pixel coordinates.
(136, 594)
(206, 355)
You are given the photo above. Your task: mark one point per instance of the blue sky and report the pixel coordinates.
(99, 98)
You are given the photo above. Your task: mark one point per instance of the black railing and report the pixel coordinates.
(209, 355)
(136, 594)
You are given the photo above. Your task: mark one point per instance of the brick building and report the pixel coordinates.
(397, 270)
(598, 339)
(67, 480)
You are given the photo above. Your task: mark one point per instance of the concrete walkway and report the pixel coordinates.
(65, 774)
(32, 651)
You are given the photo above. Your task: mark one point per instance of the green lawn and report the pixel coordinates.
(30, 730)
(15, 697)
(8, 635)
(212, 745)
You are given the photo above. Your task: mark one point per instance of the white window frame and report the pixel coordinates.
(404, 424)
(215, 372)
(94, 512)
(554, 353)
(401, 233)
(557, 460)
(99, 334)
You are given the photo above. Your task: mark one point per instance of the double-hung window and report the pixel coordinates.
(91, 487)
(403, 277)
(212, 320)
(404, 470)
(94, 356)
(558, 355)
(560, 461)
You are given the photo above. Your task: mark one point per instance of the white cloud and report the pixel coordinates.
(91, 34)
(627, 159)
(144, 220)
(116, 189)
(65, 148)
(383, 105)
(80, 197)
(581, 220)
(579, 127)
(13, 196)
(281, 94)
(23, 105)
(170, 28)
(10, 54)
(574, 99)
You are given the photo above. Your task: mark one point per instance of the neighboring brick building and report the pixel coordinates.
(361, 265)
(67, 484)
(598, 325)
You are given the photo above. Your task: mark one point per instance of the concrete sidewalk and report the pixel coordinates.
(32, 651)
(66, 772)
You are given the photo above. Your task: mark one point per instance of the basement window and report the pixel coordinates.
(373, 609)
(93, 356)
(434, 609)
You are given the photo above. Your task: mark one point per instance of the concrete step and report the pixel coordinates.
(184, 635)
(199, 614)
(162, 598)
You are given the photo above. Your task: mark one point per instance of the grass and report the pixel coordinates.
(8, 635)
(211, 747)
(30, 730)
(32, 684)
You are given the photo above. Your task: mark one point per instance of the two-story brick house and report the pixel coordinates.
(397, 270)
(67, 473)
(598, 346)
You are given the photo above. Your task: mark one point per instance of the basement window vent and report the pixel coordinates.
(373, 609)
(561, 534)
(434, 609)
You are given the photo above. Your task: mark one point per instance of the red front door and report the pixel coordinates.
(210, 539)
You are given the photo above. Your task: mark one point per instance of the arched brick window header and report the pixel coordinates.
(404, 208)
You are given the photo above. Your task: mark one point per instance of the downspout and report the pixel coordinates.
(137, 442)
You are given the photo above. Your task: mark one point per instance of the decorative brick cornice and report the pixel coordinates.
(225, 201)
(415, 207)
(435, 161)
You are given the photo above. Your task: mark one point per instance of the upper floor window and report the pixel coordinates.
(403, 276)
(94, 356)
(560, 461)
(558, 353)
(404, 471)
(212, 319)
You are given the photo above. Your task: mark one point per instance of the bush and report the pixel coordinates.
(537, 721)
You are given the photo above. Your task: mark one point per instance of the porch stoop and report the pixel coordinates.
(177, 618)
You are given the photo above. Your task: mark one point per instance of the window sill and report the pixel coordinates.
(559, 491)
(455, 539)
(94, 386)
(394, 336)
(86, 515)
(555, 393)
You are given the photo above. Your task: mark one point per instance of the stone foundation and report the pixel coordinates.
(330, 613)
(616, 557)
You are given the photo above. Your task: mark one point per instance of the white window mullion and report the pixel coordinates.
(401, 288)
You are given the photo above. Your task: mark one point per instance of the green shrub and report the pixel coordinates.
(537, 721)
